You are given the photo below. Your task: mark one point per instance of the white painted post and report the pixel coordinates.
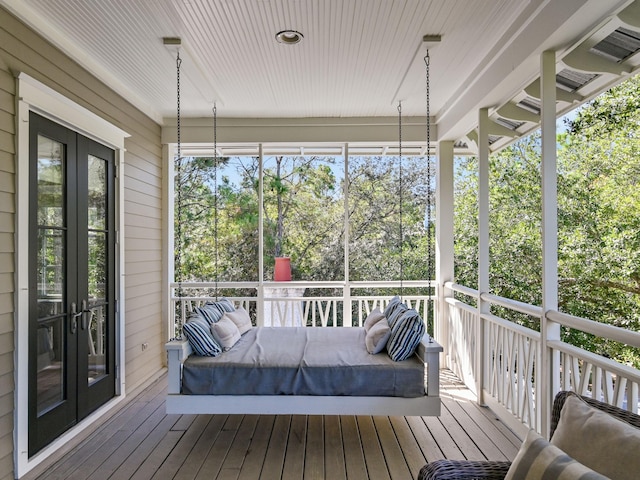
(260, 292)
(444, 241)
(549, 381)
(483, 246)
(168, 310)
(347, 321)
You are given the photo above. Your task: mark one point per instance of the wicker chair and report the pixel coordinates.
(493, 470)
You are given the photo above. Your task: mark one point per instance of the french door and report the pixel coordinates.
(72, 305)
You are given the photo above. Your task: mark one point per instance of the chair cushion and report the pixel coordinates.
(377, 336)
(538, 459)
(598, 440)
(406, 334)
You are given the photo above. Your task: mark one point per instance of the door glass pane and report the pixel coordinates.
(50, 182)
(50, 271)
(97, 317)
(97, 266)
(97, 263)
(97, 194)
(50, 274)
(50, 364)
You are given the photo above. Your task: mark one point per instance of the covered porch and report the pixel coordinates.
(502, 70)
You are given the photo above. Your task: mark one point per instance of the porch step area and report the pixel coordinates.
(142, 442)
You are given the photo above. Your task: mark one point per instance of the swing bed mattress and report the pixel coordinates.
(302, 361)
(303, 370)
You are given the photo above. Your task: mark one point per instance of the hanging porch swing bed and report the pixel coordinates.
(304, 370)
(390, 366)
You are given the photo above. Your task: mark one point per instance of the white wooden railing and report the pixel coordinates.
(345, 309)
(503, 362)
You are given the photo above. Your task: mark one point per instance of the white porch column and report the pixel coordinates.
(347, 319)
(483, 245)
(549, 380)
(444, 241)
(260, 293)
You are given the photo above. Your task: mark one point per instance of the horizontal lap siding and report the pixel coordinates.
(23, 50)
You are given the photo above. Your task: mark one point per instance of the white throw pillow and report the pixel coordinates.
(538, 459)
(225, 332)
(598, 440)
(374, 317)
(241, 318)
(377, 336)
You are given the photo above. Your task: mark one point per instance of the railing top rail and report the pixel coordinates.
(595, 359)
(456, 287)
(622, 335)
(307, 284)
(521, 307)
(509, 325)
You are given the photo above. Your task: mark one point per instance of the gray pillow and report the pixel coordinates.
(377, 336)
(374, 317)
(541, 460)
(225, 332)
(241, 318)
(598, 440)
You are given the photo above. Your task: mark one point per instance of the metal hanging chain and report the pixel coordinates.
(178, 186)
(215, 193)
(400, 175)
(429, 175)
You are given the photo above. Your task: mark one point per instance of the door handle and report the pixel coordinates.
(75, 314)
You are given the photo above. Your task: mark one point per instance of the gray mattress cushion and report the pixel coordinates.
(302, 361)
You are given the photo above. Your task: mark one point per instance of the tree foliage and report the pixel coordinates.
(598, 220)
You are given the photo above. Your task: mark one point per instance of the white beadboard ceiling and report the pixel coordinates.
(357, 59)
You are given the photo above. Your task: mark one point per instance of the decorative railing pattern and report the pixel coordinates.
(510, 358)
(269, 303)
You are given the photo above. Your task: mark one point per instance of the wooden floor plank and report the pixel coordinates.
(220, 448)
(425, 441)
(393, 455)
(334, 459)
(144, 449)
(314, 448)
(274, 460)
(232, 464)
(176, 458)
(142, 442)
(374, 458)
(408, 443)
(355, 464)
(156, 458)
(133, 412)
(201, 449)
(254, 461)
(466, 445)
(130, 445)
(294, 458)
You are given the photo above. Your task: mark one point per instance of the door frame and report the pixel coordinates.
(34, 96)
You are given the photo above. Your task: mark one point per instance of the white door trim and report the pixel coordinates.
(34, 96)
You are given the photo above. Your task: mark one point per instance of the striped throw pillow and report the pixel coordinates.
(212, 311)
(406, 334)
(393, 303)
(538, 459)
(202, 342)
(396, 313)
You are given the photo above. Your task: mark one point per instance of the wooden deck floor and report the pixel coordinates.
(142, 442)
